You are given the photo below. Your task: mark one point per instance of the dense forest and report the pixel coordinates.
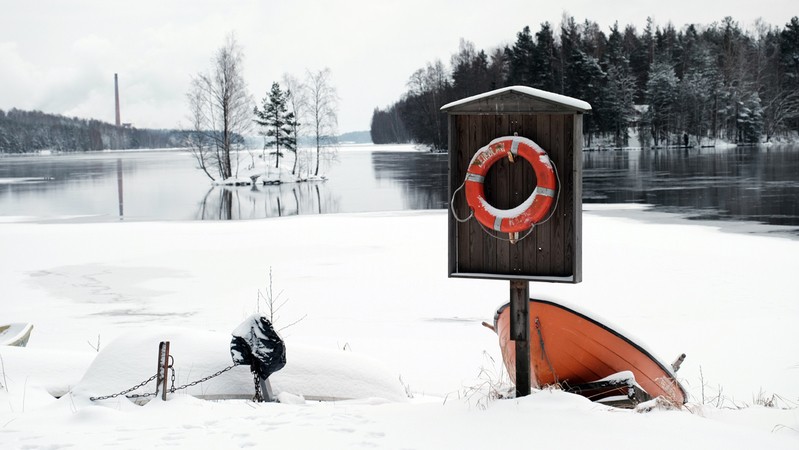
(31, 131)
(714, 82)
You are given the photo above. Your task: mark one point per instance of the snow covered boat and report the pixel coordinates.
(313, 373)
(585, 356)
(15, 334)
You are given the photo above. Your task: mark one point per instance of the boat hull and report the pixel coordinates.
(15, 334)
(570, 348)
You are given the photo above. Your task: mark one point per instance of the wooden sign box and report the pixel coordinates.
(552, 252)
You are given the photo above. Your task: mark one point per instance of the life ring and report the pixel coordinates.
(531, 211)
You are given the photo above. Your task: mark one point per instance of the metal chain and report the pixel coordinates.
(128, 390)
(148, 394)
(258, 397)
(201, 380)
(171, 389)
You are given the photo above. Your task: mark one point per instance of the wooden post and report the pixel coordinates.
(266, 390)
(520, 333)
(163, 367)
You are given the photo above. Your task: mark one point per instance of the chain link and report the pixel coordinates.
(258, 397)
(201, 380)
(129, 390)
(172, 369)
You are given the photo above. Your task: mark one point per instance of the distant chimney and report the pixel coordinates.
(116, 96)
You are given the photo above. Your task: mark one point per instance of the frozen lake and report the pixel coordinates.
(165, 185)
(742, 184)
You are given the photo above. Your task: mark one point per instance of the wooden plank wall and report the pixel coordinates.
(552, 250)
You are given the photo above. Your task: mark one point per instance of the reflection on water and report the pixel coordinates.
(101, 186)
(748, 183)
(254, 202)
(422, 177)
(120, 189)
(137, 186)
(759, 184)
(358, 182)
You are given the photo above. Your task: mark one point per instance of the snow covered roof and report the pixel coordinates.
(517, 99)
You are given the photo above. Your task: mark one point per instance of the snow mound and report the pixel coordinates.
(321, 374)
(30, 377)
(233, 181)
(314, 374)
(271, 175)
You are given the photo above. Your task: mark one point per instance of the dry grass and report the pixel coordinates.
(493, 384)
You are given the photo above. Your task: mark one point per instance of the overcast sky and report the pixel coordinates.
(61, 56)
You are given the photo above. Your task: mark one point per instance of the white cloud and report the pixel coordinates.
(61, 57)
(18, 77)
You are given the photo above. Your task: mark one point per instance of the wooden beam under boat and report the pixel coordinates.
(570, 348)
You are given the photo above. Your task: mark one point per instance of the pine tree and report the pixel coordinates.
(277, 121)
(545, 57)
(789, 51)
(641, 50)
(661, 91)
(695, 95)
(616, 105)
(520, 57)
(470, 73)
(582, 75)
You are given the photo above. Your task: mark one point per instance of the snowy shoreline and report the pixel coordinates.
(376, 285)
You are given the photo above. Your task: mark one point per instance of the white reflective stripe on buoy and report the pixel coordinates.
(546, 192)
(498, 223)
(475, 177)
(514, 146)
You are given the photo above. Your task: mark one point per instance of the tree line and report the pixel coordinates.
(32, 131)
(699, 83)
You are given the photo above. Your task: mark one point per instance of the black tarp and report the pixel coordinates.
(256, 343)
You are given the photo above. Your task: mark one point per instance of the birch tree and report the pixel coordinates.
(220, 110)
(322, 111)
(297, 103)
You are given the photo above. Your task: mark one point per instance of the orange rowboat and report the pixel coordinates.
(572, 349)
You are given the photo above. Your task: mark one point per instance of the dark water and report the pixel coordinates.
(753, 183)
(749, 183)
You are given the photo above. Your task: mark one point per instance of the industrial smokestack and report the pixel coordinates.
(116, 96)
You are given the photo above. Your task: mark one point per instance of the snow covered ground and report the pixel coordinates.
(373, 288)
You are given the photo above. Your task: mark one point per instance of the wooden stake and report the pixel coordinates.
(163, 367)
(520, 333)
(266, 390)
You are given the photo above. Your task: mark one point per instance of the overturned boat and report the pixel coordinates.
(15, 334)
(585, 356)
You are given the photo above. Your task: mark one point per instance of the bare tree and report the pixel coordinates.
(323, 111)
(780, 110)
(426, 92)
(297, 102)
(220, 110)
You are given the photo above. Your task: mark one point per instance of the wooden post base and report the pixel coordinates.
(520, 333)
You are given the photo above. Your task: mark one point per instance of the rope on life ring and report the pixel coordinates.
(529, 213)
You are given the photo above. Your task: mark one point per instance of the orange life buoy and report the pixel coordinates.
(532, 210)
